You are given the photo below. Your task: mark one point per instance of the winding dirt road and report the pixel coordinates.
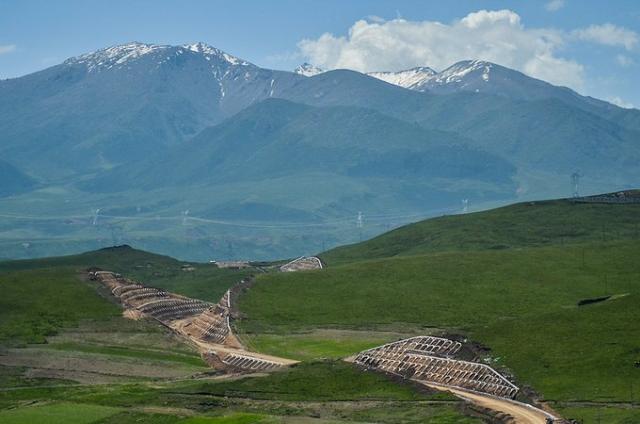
(522, 413)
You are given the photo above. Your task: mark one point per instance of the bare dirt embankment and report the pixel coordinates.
(203, 325)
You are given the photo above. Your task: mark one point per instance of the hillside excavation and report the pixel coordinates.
(204, 325)
(426, 360)
(430, 361)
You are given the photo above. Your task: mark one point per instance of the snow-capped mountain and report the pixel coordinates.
(189, 118)
(121, 56)
(308, 70)
(127, 101)
(412, 79)
(468, 75)
(476, 76)
(456, 73)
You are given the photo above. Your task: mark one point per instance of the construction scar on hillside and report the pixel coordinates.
(204, 325)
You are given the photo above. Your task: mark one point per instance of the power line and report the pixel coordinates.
(185, 215)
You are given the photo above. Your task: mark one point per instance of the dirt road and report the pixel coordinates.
(522, 413)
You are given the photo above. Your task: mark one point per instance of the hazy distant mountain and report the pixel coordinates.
(277, 138)
(13, 181)
(152, 131)
(479, 76)
(411, 78)
(123, 103)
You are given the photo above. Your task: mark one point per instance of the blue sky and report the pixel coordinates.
(591, 46)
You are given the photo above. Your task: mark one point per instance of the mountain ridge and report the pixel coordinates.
(466, 75)
(145, 132)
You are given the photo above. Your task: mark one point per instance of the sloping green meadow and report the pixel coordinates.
(521, 303)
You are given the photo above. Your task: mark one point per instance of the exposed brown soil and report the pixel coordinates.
(87, 368)
(187, 327)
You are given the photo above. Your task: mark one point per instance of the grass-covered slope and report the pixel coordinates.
(551, 288)
(320, 392)
(523, 304)
(36, 303)
(117, 259)
(40, 296)
(520, 225)
(67, 356)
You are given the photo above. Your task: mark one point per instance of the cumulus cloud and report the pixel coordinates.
(7, 48)
(608, 35)
(496, 36)
(554, 5)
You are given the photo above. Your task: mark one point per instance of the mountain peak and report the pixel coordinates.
(208, 50)
(115, 55)
(408, 78)
(457, 72)
(119, 55)
(308, 70)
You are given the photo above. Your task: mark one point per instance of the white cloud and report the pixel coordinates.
(496, 36)
(609, 35)
(376, 19)
(619, 102)
(624, 60)
(7, 48)
(554, 5)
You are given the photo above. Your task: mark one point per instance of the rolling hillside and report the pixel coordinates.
(549, 289)
(68, 356)
(531, 224)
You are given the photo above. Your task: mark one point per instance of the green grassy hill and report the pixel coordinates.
(68, 356)
(527, 224)
(42, 296)
(551, 288)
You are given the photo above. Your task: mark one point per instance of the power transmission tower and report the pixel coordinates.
(95, 217)
(360, 224)
(575, 183)
(465, 205)
(185, 216)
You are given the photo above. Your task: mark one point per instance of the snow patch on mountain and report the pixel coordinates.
(457, 72)
(209, 51)
(121, 55)
(308, 70)
(410, 78)
(115, 56)
(420, 78)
